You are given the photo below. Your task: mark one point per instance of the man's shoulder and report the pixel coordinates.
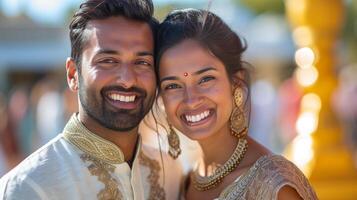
(56, 149)
(43, 167)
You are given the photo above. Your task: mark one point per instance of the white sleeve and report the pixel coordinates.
(21, 189)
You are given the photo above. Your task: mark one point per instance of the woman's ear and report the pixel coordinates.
(72, 74)
(240, 78)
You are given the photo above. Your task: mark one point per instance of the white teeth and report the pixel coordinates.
(188, 118)
(132, 98)
(206, 113)
(197, 118)
(118, 97)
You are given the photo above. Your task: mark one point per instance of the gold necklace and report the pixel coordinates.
(203, 183)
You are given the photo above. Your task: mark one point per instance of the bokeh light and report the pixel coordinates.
(311, 102)
(307, 123)
(303, 153)
(304, 57)
(302, 36)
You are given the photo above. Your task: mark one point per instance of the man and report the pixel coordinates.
(99, 155)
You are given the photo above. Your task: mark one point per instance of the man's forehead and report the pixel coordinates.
(118, 23)
(119, 27)
(118, 31)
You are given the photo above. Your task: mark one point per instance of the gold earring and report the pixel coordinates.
(174, 143)
(239, 120)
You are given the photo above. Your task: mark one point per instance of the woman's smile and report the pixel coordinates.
(197, 93)
(198, 118)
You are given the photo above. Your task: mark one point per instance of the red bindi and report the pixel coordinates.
(185, 74)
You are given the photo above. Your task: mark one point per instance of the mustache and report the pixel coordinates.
(117, 88)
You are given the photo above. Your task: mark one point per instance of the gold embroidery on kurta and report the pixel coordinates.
(156, 191)
(102, 170)
(77, 134)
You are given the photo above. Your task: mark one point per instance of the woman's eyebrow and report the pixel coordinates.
(204, 70)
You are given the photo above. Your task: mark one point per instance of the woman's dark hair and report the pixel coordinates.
(212, 33)
(141, 10)
(207, 29)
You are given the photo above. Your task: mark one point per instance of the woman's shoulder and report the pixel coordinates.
(276, 170)
(266, 177)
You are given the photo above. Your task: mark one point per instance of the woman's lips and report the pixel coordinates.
(197, 118)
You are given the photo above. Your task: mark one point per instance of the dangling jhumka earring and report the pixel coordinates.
(174, 143)
(239, 120)
(239, 128)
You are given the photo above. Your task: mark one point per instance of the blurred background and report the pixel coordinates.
(304, 85)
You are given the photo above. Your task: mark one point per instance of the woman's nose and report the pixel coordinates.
(192, 97)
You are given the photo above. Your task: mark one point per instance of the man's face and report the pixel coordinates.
(117, 81)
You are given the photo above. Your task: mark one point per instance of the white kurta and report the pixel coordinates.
(80, 168)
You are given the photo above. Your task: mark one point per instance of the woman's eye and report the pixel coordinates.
(206, 79)
(171, 86)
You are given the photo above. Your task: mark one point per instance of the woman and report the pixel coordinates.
(205, 92)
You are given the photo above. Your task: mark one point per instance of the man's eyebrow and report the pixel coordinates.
(107, 51)
(204, 70)
(110, 51)
(144, 53)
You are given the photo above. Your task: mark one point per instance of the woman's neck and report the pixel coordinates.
(218, 148)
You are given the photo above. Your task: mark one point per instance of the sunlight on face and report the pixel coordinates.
(196, 90)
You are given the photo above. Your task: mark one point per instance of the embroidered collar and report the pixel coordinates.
(88, 142)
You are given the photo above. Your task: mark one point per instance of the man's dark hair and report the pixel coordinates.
(141, 10)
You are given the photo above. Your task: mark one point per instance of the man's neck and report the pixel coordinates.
(126, 141)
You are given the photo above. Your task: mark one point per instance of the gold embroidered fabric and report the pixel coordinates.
(156, 191)
(265, 178)
(102, 155)
(77, 134)
(102, 170)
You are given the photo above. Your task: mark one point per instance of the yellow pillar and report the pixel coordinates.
(326, 160)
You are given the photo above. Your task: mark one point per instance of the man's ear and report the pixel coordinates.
(72, 74)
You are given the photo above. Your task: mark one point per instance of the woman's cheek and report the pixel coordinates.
(171, 102)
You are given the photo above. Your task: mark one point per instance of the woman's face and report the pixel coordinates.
(196, 90)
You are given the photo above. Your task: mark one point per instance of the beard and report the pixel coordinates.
(115, 119)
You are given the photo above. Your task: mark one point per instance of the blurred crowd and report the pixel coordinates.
(30, 117)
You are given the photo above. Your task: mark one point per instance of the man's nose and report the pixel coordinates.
(126, 76)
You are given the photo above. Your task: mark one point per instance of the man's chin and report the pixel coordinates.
(123, 129)
(123, 124)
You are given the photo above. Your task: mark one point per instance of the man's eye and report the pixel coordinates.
(206, 79)
(108, 61)
(172, 86)
(143, 62)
